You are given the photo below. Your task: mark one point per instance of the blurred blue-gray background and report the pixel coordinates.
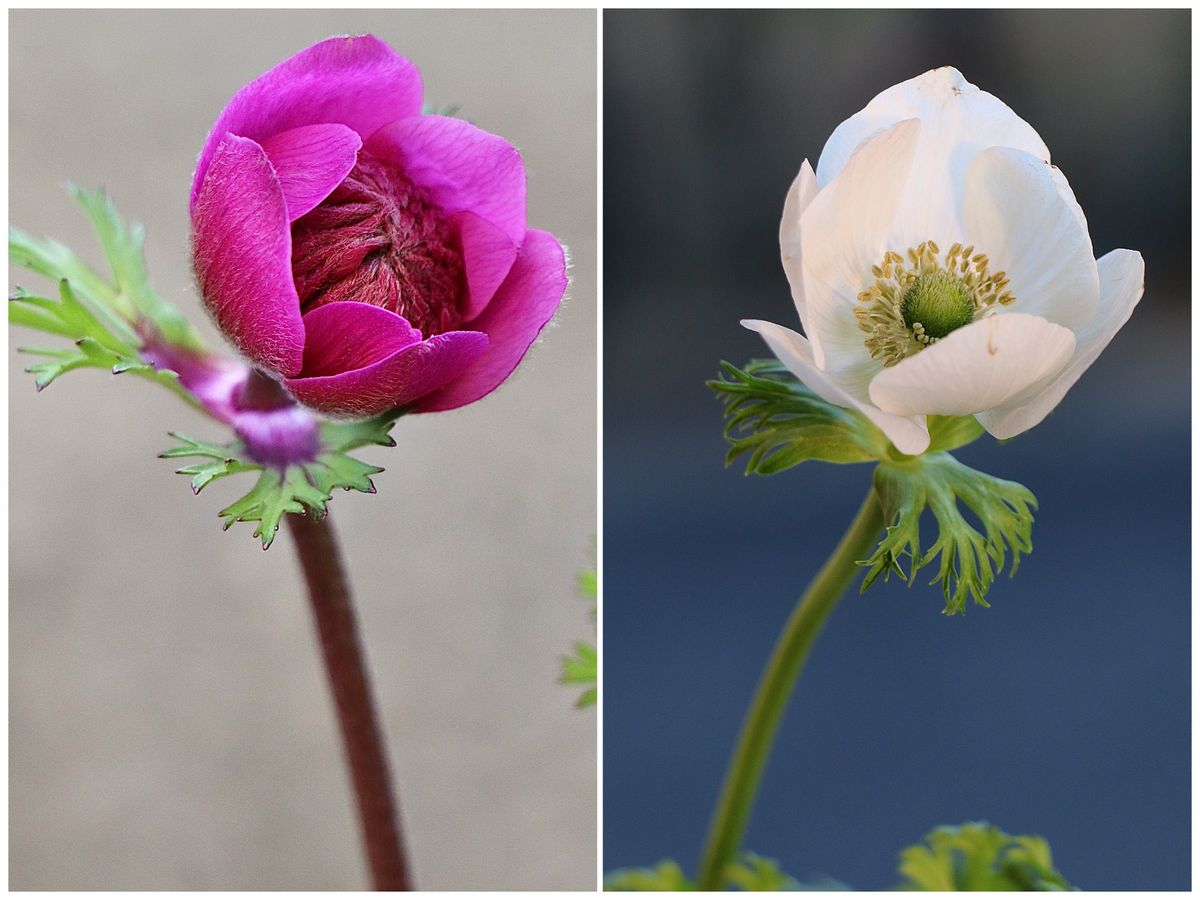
(1064, 710)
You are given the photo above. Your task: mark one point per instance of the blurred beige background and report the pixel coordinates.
(169, 723)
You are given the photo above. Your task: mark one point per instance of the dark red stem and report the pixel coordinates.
(362, 738)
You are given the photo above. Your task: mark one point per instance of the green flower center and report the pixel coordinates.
(937, 303)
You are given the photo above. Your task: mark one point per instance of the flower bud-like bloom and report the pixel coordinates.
(368, 256)
(941, 266)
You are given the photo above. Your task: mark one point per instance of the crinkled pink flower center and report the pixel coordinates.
(377, 240)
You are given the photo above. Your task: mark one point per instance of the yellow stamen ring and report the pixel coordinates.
(917, 299)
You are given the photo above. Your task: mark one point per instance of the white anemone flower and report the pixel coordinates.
(941, 266)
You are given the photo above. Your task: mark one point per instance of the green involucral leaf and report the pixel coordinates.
(267, 503)
(305, 488)
(344, 436)
(336, 470)
(977, 856)
(219, 461)
(777, 422)
(968, 559)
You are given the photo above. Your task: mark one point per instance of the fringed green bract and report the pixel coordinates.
(776, 422)
(302, 488)
(968, 560)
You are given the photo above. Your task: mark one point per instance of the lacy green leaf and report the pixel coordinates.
(125, 297)
(95, 313)
(977, 856)
(968, 560)
(588, 584)
(57, 262)
(302, 488)
(123, 250)
(752, 872)
(777, 422)
(749, 872)
(579, 668)
(95, 344)
(666, 876)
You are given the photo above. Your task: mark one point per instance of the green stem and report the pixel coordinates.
(774, 690)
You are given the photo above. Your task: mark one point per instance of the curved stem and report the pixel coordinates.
(362, 739)
(774, 690)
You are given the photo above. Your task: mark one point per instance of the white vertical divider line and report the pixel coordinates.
(600, 600)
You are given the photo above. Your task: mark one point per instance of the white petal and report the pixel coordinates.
(1122, 281)
(907, 433)
(1015, 211)
(930, 208)
(957, 121)
(952, 111)
(977, 367)
(800, 195)
(1068, 195)
(843, 233)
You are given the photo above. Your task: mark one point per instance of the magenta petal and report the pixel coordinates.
(488, 255)
(241, 251)
(359, 82)
(459, 167)
(344, 336)
(310, 161)
(521, 308)
(397, 380)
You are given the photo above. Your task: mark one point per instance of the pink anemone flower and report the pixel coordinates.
(367, 256)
